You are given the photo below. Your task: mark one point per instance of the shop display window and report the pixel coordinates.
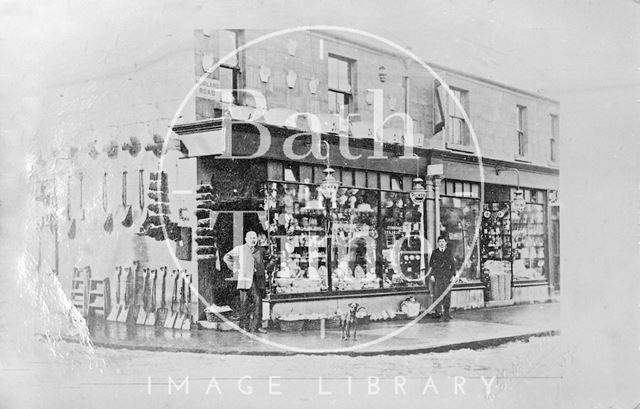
(459, 223)
(354, 240)
(403, 263)
(297, 232)
(528, 242)
(373, 236)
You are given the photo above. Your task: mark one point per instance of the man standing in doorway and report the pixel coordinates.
(444, 269)
(247, 262)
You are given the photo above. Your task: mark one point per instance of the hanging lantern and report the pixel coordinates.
(329, 186)
(518, 202)
(418, 193)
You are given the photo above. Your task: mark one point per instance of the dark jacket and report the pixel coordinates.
(443, 264)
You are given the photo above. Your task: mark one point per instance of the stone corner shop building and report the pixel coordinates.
(106, 202)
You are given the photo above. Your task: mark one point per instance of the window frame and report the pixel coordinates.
(522, 137)
(347, 95)
(554, 139)
(463, 97)
(233, 69)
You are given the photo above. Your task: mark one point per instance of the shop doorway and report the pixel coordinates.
(217, 282)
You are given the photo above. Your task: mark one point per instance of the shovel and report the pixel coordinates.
(134, 291)
(186, 323)
(142, 305)
(161, 313)
(151, 315)
(115, 311)
(173, 314)
(124, 311)
(180, 317)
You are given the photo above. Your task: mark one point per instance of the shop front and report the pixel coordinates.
(509, 256)
(360, 245)
(363, 244)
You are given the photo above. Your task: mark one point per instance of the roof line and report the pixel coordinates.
(381, 50)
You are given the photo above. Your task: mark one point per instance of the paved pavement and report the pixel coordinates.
(472, 329)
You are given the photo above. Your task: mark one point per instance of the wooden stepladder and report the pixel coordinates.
(99, 297)
(80, 289)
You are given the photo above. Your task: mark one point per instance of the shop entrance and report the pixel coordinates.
(217, 282)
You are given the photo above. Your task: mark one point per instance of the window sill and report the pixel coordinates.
(520, 158)
(553, 164)
(458, 147)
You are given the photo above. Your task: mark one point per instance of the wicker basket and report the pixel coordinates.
(364, 320)
(313, 325)
(401, 316)
(332, 322)
(291, 326)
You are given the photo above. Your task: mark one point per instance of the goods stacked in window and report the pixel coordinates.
(496, 250)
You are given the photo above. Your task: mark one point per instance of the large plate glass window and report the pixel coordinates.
(459, 223)
(296, 229)
(354, 240)
(528, 232)
(402, 260)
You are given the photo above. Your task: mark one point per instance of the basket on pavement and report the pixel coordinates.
(332, 322)
(291, 326)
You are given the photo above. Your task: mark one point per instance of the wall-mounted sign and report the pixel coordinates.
(209, 89)
(313, 85)
(265, 72)
(291, 46)
(393, 101)
(369, 97)
(291, 79)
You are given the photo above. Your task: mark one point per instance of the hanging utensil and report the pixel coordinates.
(108, 223)
(82, 213)
(68, 198)
(138, 211)
(71, 233)
(127, 221)
(161, 313)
